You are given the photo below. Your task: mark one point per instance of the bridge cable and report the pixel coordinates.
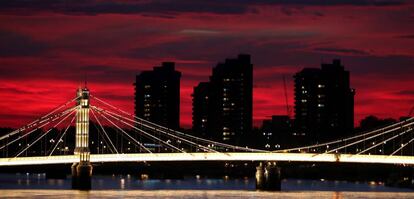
(104, 140)
(52, 118)
(404, 144)
(37, 121)
(163, 132)
(125, 134)
(63, 134)
(132, 126)
(104, 132)
(44, 134)
(345, 139)
(364, 139)
(136, 141)
(385, 141)
(180, 133)
(359, 141)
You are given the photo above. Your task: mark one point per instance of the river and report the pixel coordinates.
(126, 186)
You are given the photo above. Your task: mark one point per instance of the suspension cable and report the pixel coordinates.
(345, 139)
(37, 121)
(391, 138)
(104, 132)
(163, 132)
(359, 141)
(103, 138)
(180, 133)
(63, 134)
(402, 146)
(136, 141)
(53, 118)
(44, 134)
(151, 136)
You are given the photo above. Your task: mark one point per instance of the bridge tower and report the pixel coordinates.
(82, 170)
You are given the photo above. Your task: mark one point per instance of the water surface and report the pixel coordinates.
(128, 186)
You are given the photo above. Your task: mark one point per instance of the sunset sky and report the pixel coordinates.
(47, 49)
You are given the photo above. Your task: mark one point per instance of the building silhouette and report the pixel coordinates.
(324, 102)
(201, 109)
(229, 98)
(157, 95)
(278, 133)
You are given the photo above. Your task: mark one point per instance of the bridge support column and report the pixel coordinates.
(82, 176)
(82, 170)
(268, 177)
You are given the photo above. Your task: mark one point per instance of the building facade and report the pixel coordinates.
(324, 102)
(157, 95)
(277, 133)
(229, 95)
(201, 110)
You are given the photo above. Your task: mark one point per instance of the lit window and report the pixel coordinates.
(321, 86)
(321, 105)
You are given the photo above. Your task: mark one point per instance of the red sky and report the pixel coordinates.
(47, 48)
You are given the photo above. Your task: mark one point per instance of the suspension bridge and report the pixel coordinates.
(392, 144)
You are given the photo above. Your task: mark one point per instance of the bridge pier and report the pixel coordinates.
(268, 177)
(82, 176)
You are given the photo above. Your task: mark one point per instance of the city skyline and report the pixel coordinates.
(44, 53)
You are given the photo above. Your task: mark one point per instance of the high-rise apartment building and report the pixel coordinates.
(229, 95)
(157, 95)
(324, 102)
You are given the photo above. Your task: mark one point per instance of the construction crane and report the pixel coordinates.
(288, 109)
(411, 112)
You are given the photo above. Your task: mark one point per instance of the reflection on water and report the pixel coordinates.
(190, 194)
(129, 186)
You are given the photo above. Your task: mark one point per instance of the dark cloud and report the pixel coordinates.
(92, 73)
(299, 10)
(14, 44)
(342, 51)
(268, 53)
(93, 7)
(15, 91)
(406, 36)
(405, 92)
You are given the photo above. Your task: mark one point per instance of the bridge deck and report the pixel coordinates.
(148, 157)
